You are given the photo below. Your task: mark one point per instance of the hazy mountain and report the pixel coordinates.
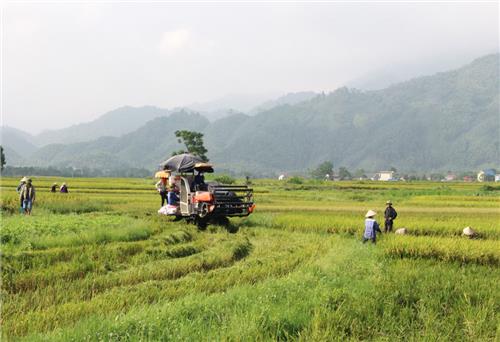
(237, 102)
(216, 114)
(12, 157)
(17, 140)
(145, 147)
(399, 72)
(288, 99)
(447, 121)
(114, 123)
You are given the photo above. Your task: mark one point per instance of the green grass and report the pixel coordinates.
(100, 264)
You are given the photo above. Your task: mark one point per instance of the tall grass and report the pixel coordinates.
(462, 250)
(332, 298)
(100, 264)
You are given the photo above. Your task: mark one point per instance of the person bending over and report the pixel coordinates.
(371, 227)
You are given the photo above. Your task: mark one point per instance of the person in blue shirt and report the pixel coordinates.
(172, 198)
(371, 227)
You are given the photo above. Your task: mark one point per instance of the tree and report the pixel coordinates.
(2, 158)
(360, 173)
(323, 169)
(344, 173)
(193, 142)
(437, 176)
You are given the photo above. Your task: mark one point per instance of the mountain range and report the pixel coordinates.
(446, 121)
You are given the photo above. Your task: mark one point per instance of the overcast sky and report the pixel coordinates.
(68, 63)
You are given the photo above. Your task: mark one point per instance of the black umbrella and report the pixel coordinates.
(181, 163)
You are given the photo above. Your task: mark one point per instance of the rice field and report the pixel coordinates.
(99, 264)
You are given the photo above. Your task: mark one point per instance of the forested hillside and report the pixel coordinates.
(447, 121)
(115, 123)
(145, 147)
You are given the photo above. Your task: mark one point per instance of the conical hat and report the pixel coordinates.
(370, 213)
(468, 231)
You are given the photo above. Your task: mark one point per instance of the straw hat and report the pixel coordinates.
(24, 179)
(54, 184)
(370, 213)
(468, 231)
(63, 183)
(388, 202)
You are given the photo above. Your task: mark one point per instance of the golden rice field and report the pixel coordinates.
(99, 264)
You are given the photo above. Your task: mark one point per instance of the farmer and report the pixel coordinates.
(371, 227)
(199, 181)
(161, 187)
(63, 189)
(390, 215)
(172, 198)
(22, 182)
(53, 188)
(27, 196)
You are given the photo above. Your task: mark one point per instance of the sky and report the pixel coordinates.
(69, 62)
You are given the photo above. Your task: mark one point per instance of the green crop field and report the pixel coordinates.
(101, 264)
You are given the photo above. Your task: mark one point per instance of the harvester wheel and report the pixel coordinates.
(203, 210)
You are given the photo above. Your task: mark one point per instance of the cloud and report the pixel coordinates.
(174, 41)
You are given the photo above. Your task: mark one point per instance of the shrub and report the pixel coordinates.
(225, 179)
(490, 188)
(295, 180)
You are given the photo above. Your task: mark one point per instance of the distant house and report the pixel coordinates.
(384, 176)
(486, 175)
(450, 177)
(497, 178)
(281, 177)
(468, 179)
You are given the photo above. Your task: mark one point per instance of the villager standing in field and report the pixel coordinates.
(371, 227)
(53, 187)
(390, 215)
(64, 188)
(27, 196)
(22, 182)
(161, 187)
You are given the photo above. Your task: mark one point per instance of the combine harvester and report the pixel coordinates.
(203, 203)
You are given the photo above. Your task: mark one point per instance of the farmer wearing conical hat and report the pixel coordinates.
(19, 188)
(21, 184)
(390, 215)
(63, 189)
(161, 187)
(371, 227)
(27, 196)
(53, 188)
